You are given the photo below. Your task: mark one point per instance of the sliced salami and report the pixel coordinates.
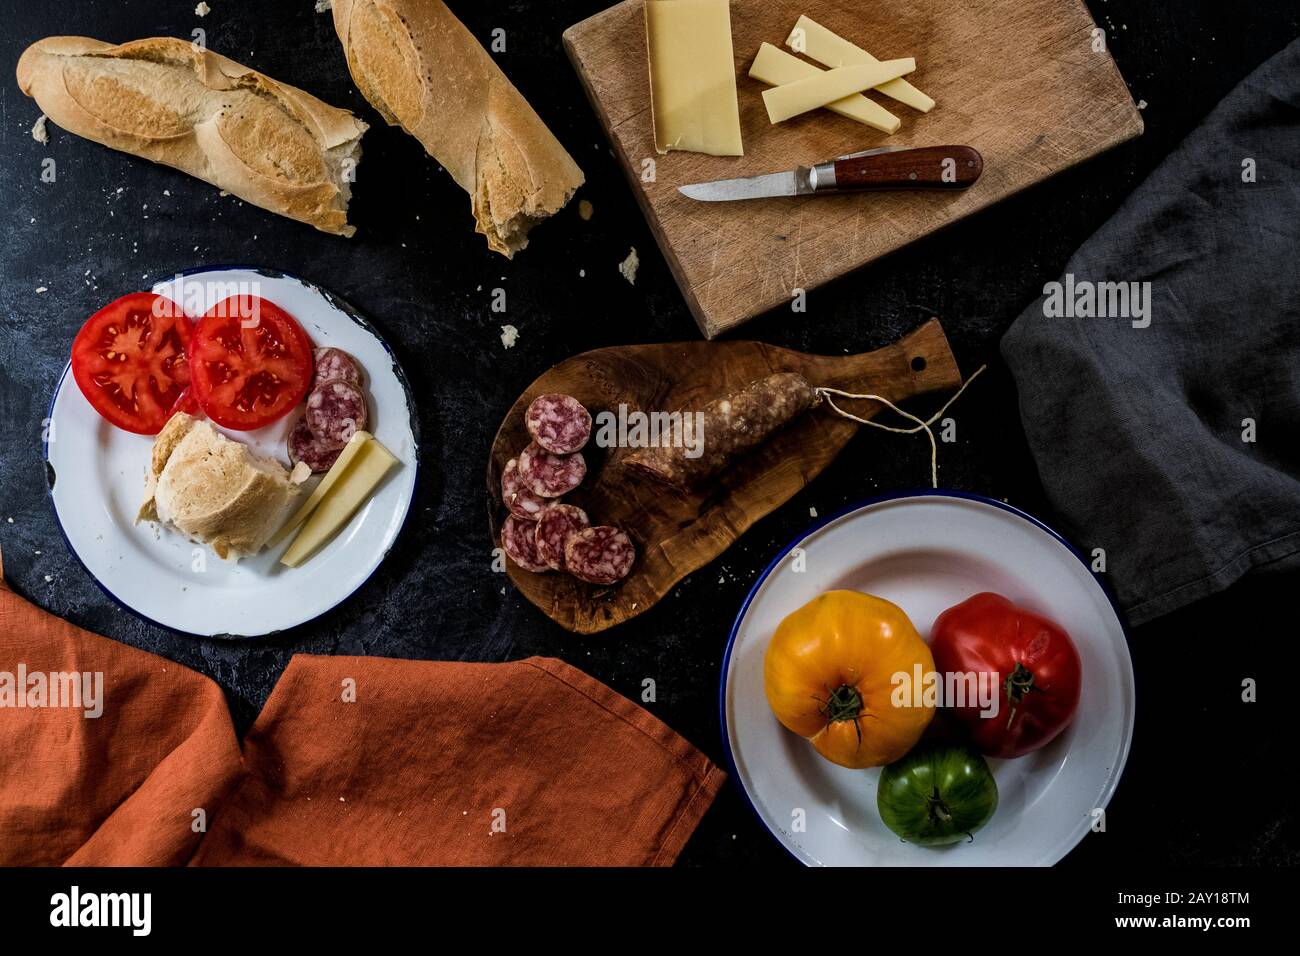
(558, 423)
(548, 475)
(305, 447)
(336, 365)
(521, 502)
(599, 555)
(336, 410)
(554, 529)
(520, 543)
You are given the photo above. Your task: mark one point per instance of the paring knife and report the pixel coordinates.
(889, 167)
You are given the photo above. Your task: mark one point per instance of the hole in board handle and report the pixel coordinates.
(918, 363)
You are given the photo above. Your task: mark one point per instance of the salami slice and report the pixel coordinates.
(335, 410)
(558, 423)
(521, 502)
(520, 543)
(599, 555)
(554, 528)
(317, 454)
(336, 365)
(549, 476)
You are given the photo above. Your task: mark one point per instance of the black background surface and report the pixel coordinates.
(1209, 778)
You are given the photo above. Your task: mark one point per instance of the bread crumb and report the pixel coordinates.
(39, 132)
(1142, 104)
(812, 513)
(509, 336)
(202, 10)
(629, 266)
(585, 209)
(40, 289)
(325, 6)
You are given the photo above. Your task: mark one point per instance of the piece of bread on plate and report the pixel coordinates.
(424, 71)
(163, 99)
(216, 491)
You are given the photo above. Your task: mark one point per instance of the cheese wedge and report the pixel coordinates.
(775, 67)
(352, 489)
(331, 478)
(792, 99)
(811, 38)
(692, 77)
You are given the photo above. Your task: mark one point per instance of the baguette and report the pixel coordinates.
(424, 71)
(214, 490)
(163, 99)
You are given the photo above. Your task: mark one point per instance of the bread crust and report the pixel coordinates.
(213, 490)
(165, 100)
(423, 71)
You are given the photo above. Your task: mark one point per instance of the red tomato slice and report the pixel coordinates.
(250, 363)
(187, 403)
(129, 361)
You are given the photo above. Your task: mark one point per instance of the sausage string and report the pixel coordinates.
(920, 425)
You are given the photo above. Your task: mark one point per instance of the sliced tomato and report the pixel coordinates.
(129, 361)
(187, 403)
(250, 362)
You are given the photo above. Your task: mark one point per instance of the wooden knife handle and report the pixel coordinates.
(928, 167)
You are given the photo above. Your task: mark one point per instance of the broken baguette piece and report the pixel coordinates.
(169, 101)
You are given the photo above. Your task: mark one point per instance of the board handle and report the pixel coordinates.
(927, 167)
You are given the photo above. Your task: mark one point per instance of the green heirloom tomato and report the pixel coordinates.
(937, 795)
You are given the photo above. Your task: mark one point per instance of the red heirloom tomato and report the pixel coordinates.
(129, 361)
(250, 361)
(1033, 665)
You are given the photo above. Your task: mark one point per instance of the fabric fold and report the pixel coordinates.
(354, 761)
(1157, 378)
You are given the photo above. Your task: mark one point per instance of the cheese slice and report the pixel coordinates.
(830, 49)
(775, 67)
(784, 102)
(692, 77)
(370, 463)
(331, 477)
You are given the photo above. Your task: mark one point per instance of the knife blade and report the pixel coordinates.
(887, 167)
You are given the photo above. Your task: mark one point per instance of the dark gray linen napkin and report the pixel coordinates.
(1138, 400)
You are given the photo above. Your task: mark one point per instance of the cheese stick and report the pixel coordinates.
(784, 102)
(811, 38)
(775, 67)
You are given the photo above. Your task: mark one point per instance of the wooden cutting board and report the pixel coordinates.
(677, 532)
(1017, 79)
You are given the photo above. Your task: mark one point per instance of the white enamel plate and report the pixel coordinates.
(926, 553)
(97, 475)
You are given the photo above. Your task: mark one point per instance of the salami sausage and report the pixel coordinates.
(554, 528)
(521, 502)
(730, 428)
(317, 454)
(558, 423)
(599, 555)
(519, 539)
(336, 365)
(549, 476)
(335, 410)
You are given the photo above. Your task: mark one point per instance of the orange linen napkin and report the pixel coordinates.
(353, 761)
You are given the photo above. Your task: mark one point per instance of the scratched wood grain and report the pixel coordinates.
(1017, 79)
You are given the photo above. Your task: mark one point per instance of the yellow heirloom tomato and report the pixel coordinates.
(829, 676)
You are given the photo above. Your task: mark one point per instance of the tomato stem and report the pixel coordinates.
(938, 810)
(1018, 685)
(844, 703)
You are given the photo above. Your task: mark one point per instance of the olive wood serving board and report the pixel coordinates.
(1029, 83)
(679, 532)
